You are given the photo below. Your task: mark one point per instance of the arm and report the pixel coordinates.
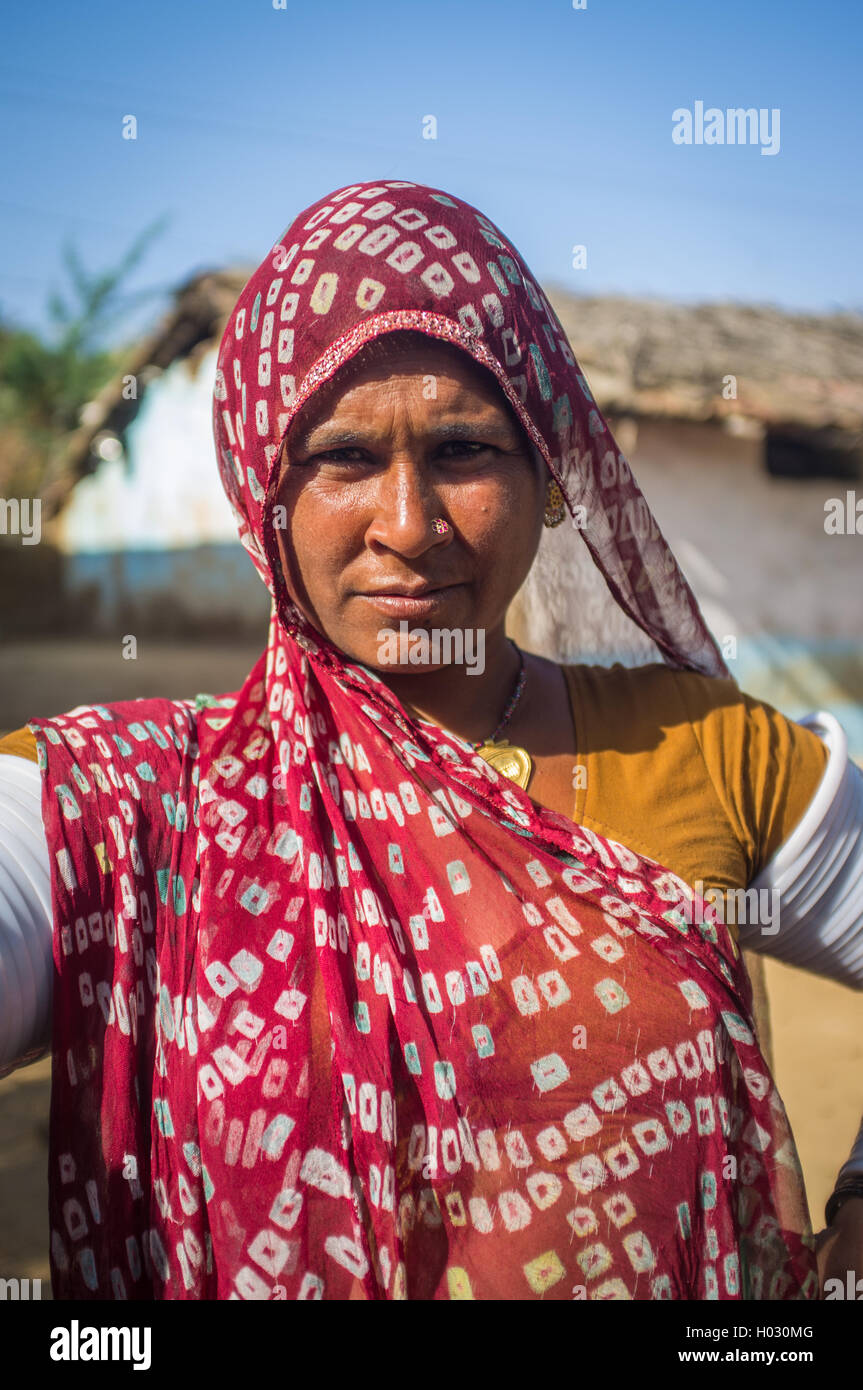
(26, 965)
(817, 875)
(795, 805)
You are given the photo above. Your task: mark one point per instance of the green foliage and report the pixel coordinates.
(45, 384)
(44, 387)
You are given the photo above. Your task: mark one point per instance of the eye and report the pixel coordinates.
(461, 449)
(341, 454)
(348, 454)
(468, 448)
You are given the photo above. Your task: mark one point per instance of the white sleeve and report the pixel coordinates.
(26, 963)
(817, 877)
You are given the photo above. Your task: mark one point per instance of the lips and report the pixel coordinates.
(411, 601)
(408, 591)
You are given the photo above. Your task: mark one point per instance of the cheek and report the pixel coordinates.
(501, 518)
(323, 534)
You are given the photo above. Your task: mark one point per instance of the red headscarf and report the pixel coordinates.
(342, 1013)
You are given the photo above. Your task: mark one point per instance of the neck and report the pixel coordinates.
(469, 705)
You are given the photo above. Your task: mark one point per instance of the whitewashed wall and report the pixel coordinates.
(166, 492)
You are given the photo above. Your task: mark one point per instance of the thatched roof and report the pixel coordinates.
(649, 358)
(643, 358)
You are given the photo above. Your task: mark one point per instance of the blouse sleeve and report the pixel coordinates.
(765, 767)
(795, 802)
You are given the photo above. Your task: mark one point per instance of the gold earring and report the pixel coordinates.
(555, 508)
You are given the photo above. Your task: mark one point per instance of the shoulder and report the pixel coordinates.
(98, 760)
(117, 788)
(653, 695)
(21, 743)
(654, 678)
(122, 729)
(763, 767)
(734, 729)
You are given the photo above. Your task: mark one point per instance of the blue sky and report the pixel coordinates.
(555, 122)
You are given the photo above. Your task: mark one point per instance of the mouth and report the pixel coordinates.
(415, 600)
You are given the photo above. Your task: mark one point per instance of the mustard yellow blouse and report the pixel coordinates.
(689, 770)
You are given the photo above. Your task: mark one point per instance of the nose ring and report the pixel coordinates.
(440, 527)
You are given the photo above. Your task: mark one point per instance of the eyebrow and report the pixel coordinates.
(337, 437)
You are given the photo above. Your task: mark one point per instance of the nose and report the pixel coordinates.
(404, 507)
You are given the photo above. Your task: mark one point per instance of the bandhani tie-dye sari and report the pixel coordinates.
(339, 1011)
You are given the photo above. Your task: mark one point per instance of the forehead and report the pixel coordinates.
(429, 366)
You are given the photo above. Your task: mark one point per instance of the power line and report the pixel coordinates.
(32, 210)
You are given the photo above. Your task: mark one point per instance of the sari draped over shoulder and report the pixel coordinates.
(341, 1012)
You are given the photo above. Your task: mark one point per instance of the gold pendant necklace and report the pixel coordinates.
(514, 762)
(505, 757)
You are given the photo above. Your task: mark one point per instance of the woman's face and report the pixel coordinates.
(416, 430)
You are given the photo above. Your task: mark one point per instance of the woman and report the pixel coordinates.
(346, 1004)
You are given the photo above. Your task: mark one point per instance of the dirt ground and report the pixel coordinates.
(817, 1026)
